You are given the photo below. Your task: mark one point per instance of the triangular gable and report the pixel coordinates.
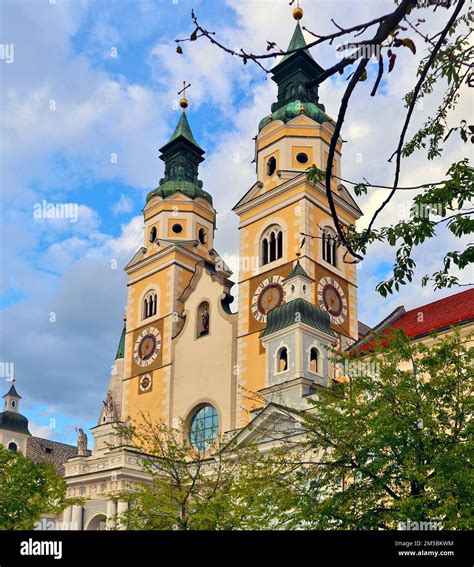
(253, 192)
(346, 196)
(273, 422)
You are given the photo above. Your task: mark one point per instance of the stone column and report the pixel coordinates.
(67, 515)
(121, 508)
(111, 512)
(77, 517)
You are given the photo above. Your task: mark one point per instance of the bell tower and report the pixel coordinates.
(179, 221)
(284, 215)
(297, 341)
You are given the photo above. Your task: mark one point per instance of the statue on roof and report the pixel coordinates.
(81, 443)
(109, 409)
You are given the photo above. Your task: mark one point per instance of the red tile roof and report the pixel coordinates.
(437, 315)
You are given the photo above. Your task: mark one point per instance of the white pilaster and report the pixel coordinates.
(77, 517)
(111, 513)
(67, 515)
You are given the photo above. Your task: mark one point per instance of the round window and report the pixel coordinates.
(302, 157)
(204, 427)
(177, 228)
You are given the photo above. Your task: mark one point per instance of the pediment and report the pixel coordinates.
(254, 191)
(272, 422)
(273, 125)
(302, 119)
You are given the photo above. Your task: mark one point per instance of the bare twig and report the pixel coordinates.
(416, 91)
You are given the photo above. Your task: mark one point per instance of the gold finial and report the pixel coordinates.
(183, 103)
(298, 254)
(298, 11)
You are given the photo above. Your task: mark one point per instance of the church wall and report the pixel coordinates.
(203, 368)
(170, 283)
(7, 437)
(252, 370)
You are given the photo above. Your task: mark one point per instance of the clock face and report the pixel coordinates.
(332, 299)
(147, 347)
(268, 295)
(145, 383)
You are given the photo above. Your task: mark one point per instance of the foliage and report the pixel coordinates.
(225, 488)
(28, 489)
(396, 439)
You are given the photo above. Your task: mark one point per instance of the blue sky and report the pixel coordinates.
(69, 105)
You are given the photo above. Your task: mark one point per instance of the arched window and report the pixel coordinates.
(204, 427)
(202, 235)
(272, 245)
(150, 304)
(329, 244)
(271, 165)
(153, 234)
(282, 360)
(13, 447)
(203, 319)
(313, 360)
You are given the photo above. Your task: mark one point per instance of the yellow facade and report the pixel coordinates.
(164, 267)
(298, 208)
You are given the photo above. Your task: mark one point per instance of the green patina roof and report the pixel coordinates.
(298, 270)
(187, 188)
(292, 74)
(182, 156)
(297, 41)
(298, 310)
(183, 129)
(121, 345)
(295, 108)
(13, 421)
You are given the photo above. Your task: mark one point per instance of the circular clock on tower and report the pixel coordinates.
(268, 295)
(147, 347)
(332, 299)
(145, 383)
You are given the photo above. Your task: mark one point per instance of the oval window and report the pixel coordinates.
(302, 157)
(202, 236)
(177, 228)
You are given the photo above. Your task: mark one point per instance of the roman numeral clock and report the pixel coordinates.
(147, 349)
(332, 299)
(266, 292)
(268, 295)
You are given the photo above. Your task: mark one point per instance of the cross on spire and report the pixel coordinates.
(183, 103)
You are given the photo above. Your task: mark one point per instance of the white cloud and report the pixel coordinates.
(123, 205)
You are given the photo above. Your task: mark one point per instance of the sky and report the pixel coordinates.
(88, 96)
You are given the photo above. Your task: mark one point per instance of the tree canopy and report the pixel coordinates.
(27, 490)
(396, 438)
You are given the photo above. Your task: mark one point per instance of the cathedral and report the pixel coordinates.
(184, 355)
